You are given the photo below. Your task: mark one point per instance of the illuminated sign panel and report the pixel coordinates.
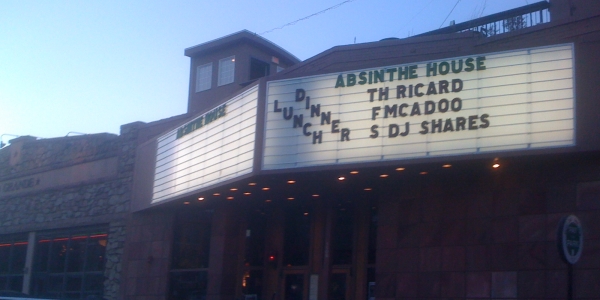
(214, 147)
(512, 100)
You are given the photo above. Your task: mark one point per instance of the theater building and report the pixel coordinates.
(436, 166)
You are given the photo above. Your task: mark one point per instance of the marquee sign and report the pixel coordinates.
(511, 100)
(212, 148)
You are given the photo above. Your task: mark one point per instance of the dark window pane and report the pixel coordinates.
(3, 282)
(252, 284)
(15, 283)
(297, 237)
(63, 261)
(58, 255)
(294, 287)
(93, 283)
(38, 284)
(19, 252)
(188, 285)
(73, 283)
(4, 257)
(337, 286)
(342, 236)
(76, 254)
(191, 241)
(258, 68)
(41, 256)
(55, 283)
(71, 296)
(255, 240)
(95, 253)
(373, 235)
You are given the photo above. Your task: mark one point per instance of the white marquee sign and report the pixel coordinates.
(212, 148)
(512, 100)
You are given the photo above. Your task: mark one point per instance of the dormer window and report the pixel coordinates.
(226, 70)
(203, 77)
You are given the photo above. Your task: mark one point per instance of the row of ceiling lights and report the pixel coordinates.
(495, 165)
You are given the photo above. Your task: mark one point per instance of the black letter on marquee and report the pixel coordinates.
(326, 118)
(315, 111)
(443, 105)
(277, 109)
(383, 93)
(460, 123)
(393, 130)
(317, 137)
(405, 133)
(371, 91)
(435, 125)
(457, 85)
(424, 125)
(456, 104)
(400, 91)
(300, 93)
(304, 129)
(473, 122)
(390, 110)
(485, 121)
(285, 113)
(374, 131)
(374, 112)
(448, 125)
(298, 120)
(429, 107)
(345, 135)
(334, 126)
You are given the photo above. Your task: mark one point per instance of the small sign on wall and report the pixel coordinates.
(570, 239)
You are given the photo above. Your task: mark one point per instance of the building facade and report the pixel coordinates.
(63, 208)
(438, 166)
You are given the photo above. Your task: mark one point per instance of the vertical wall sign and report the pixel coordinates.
(520, 99)
(570, 239)
(214, 147)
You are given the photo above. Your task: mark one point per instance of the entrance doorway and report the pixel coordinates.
(295, 285)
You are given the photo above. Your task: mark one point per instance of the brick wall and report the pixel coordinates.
(489, 235)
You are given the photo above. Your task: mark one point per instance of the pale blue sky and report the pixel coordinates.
(91, 66)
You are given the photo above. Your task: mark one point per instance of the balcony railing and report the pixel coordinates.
(503, 22)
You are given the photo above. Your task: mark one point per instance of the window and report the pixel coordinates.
(258, 68)
(12, 261)
(191, 245)
(203, 77)
(226, 70)
(70, 264)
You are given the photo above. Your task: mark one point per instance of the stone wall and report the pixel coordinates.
(77, 199)
(114, 260)
(28, 155)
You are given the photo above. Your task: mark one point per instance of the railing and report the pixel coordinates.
(503, 22)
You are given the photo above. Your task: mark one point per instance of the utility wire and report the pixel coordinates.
(449, 13)
(413, 17)
(307, 17)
